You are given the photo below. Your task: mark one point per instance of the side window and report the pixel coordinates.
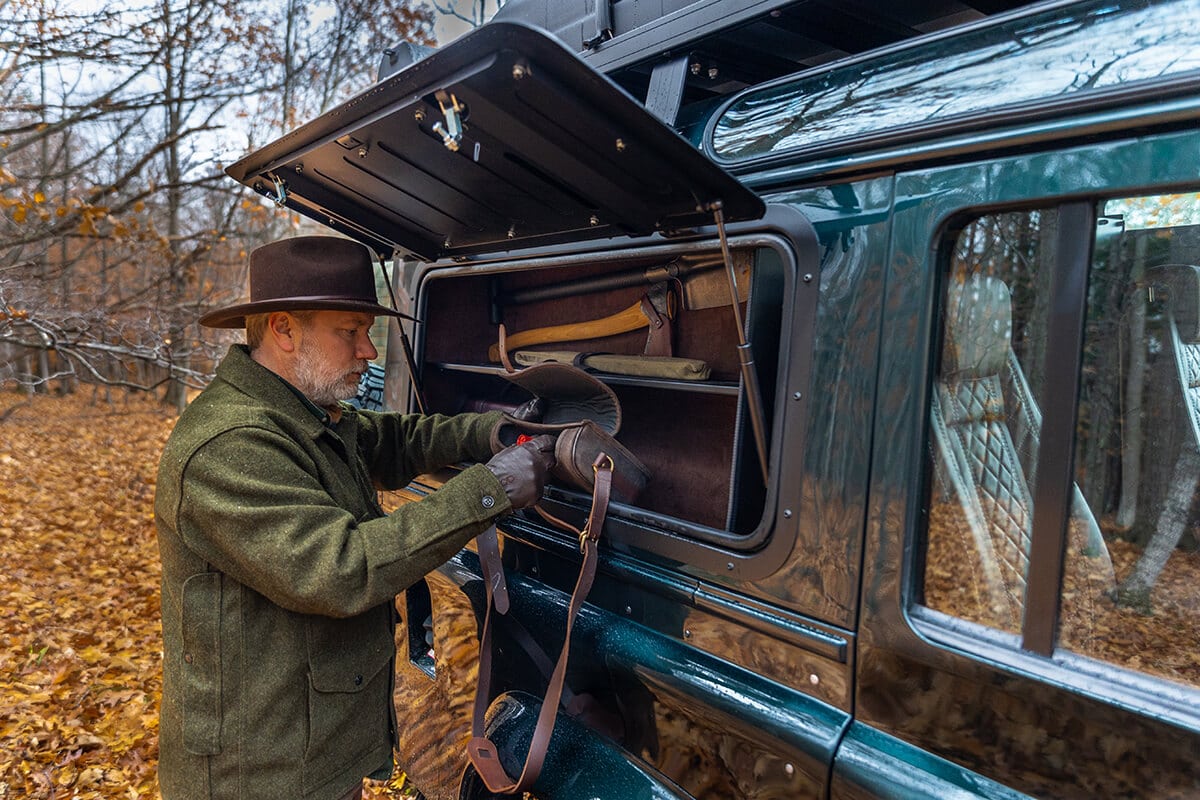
(1127, 592)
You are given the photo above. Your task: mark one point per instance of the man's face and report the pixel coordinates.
(332, 355)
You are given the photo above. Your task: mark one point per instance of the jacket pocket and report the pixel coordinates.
(349, 689)
(201, 664)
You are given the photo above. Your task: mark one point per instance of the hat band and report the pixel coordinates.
(316, 298)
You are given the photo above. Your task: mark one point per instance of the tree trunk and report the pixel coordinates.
(1131, 439)
(1134, 591)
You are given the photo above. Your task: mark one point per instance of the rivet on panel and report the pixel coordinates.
(299, 168)
(729, 565)
(519, 71)
(593, 220)
(687, 633)
(797, 395)
(620, 145)
(789, 770)
(814, 679)
(628, 610)
(808, 277)
(419, 115)
(362, 151)
(787, 513)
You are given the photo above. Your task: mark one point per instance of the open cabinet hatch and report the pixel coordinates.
(500, 140)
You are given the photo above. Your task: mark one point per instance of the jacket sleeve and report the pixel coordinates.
(398, 447)
(256, 509)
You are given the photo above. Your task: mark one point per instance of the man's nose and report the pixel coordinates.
(366, 348)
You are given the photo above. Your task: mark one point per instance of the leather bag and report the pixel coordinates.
(586, 414)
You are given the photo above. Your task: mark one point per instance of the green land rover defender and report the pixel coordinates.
(901, 306)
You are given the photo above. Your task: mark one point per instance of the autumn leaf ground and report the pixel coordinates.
(81, 659)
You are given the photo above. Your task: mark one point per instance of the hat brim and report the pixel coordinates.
(235, 316)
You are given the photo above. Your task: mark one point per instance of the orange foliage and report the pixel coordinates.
(81, 665)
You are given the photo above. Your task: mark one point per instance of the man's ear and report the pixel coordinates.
(281, 327)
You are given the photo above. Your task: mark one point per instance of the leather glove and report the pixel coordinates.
(522, 469)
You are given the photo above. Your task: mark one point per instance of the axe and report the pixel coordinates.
(702, 286)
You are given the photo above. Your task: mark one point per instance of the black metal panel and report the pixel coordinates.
(549, 151)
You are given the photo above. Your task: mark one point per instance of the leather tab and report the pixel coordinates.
(656, 305)
(488, 544)
(486, 761)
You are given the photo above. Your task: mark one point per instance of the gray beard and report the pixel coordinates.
(320, 383)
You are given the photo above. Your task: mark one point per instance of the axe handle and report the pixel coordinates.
(630, 319)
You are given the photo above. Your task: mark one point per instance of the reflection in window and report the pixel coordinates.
(1089, 47)
(1128, 591)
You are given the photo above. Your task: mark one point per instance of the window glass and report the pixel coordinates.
(1091, 47)
(1128, 593)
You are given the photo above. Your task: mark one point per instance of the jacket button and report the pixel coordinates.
(358, 680)
(488, 501)
(187, 657)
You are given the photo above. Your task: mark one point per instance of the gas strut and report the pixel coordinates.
(745, 353)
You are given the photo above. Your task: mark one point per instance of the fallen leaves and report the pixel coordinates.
(81, 678)
(81, 675)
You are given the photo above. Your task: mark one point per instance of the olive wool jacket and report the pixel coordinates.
(279, 571)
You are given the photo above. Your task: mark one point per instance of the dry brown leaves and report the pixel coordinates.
(81, 665)
(80, 675)
(1165, 643)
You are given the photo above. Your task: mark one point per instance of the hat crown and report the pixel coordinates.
(306, 273)
(312, 268)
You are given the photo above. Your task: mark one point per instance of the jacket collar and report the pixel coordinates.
(248, 376)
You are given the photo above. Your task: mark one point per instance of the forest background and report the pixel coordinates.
(118, 229)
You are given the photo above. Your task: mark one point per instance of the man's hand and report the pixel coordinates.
(522, 469)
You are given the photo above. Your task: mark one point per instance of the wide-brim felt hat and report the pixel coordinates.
(306, 273)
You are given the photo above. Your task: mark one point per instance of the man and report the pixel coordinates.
(279, 566)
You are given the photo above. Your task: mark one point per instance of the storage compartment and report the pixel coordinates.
(693, 435)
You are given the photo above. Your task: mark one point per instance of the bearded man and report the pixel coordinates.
(279, 567)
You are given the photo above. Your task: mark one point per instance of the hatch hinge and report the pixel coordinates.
(281, 190)
(452, 131)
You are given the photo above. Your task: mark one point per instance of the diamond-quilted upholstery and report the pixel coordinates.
(986, 426)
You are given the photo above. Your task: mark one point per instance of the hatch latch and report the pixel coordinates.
(452, 131)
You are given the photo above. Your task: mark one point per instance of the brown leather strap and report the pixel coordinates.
(658, 306)
(481, 751)
(488, 544)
